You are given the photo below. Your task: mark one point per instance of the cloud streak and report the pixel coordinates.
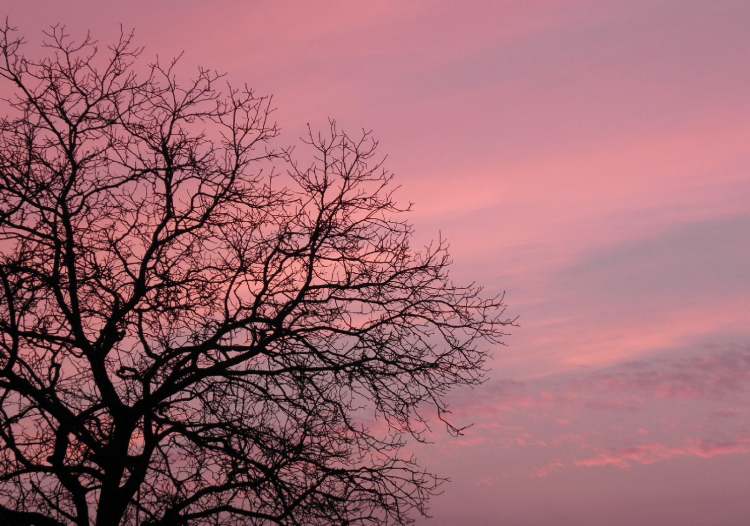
(652, 453)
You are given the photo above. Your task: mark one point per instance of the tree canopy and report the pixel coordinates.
(198, 326)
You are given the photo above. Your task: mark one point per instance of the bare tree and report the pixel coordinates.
(197, 328)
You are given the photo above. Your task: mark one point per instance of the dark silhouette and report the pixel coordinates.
(197, 328)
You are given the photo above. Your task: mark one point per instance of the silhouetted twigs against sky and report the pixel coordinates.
(195, 327)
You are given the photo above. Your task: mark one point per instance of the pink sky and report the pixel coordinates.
(589, 157)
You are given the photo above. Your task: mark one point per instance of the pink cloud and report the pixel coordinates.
(691, 373)
(548, 469)
(652, 453)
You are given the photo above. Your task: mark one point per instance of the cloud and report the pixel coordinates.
(697, 372)
(689, 262)
(631, 413)
(547, 469)
(652, 453)
(680, 374)
(639, 291)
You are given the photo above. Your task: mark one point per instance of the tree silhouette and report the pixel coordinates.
(199, 328)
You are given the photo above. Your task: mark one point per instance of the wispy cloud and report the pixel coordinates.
(652, 453)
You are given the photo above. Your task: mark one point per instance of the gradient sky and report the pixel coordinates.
(589, 157)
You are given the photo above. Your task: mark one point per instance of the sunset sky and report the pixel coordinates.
(589, 158)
